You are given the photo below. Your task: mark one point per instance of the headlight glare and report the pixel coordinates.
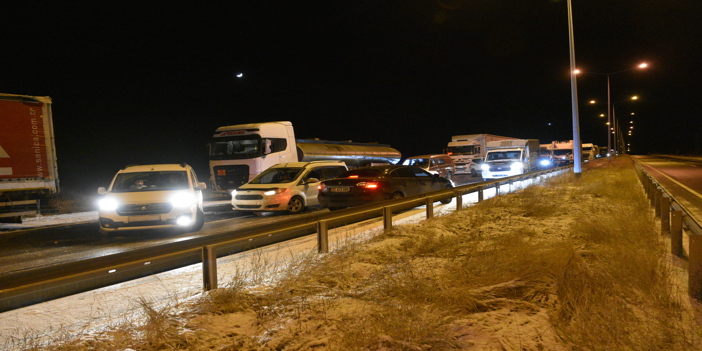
(183, 200)
(485, 167)
(107, 204)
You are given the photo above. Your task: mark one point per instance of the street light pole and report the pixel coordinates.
(577, 146)
(609, 120)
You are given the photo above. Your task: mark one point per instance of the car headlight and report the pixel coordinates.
(545, 162)
(183, 200)
(233, 192)
(517, 166)
(107, 204)
(485, 167)
(274, 191)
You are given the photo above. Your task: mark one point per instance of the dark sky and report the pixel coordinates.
(149, 81)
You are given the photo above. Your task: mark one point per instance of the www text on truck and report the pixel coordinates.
(238, 153)
(28, 170)
(508, 158)
(463, 149)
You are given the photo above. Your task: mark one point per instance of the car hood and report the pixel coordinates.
(262, 187)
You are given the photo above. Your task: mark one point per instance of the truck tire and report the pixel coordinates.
(473, 173)
(296, 205)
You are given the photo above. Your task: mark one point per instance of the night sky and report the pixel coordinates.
(150, 81)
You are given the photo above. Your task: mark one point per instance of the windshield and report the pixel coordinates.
(150, 181)
(503, 155)
(562, 152)
(463, 150)
(362, 173)
(235, 147)
(277, 175)
(420, 162)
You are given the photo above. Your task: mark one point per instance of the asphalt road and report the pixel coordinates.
(681, 177)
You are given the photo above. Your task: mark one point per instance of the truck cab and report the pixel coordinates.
(510, 158)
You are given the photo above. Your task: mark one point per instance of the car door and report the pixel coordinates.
(425, 180)
(404, 178)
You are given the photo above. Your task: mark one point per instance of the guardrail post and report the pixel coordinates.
(481, 196)
(497, 189)
(509, 186)
(665, 215)
(676, 247)
(658, 193)
(322, 236)
(459, 200)
(387, 218)
(695, 267)
(430, 208)
(209, 267)
(39, 206)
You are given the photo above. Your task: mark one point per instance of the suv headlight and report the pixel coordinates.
(485, 167)
(517, 166)
(183, 200)
(107, 204)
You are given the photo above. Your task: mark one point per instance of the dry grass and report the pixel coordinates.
(566, 265)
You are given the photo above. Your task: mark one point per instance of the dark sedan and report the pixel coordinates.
(376, 183)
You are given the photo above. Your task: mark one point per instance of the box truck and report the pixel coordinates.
(463, 149)
(238, 153)
(508, 158)
(28, 171)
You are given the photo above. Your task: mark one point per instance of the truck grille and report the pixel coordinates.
(500, 168)
(231, 177)
(144, 209)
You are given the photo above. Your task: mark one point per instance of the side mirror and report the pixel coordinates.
(312, 180)
(201, 186)
(102, 190)
(267, 146)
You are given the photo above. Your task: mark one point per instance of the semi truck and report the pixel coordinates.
(238, 153)
(28, 170)
(562, 152)
(463, 149)
(508, 158)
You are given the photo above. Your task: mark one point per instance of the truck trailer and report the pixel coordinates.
(28, 171)
(464, 148)
(508, 158)
(238, 153)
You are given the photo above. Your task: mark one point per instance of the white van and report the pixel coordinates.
(288, 186)
(152, 196)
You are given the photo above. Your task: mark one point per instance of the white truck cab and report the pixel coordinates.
(152, 196)
(508, 158)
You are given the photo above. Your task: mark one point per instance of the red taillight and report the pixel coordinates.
(353, 176)
(368, 185)
(321, 186)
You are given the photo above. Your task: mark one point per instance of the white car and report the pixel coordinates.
(288, 186)
(152, 196)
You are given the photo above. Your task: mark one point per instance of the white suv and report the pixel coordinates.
(152, 196)
(288, 186)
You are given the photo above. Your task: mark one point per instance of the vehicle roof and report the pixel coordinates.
(310, 163)
(428, 156)
(155, 167)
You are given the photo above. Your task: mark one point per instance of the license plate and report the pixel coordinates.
(343, 189)
(143, 218)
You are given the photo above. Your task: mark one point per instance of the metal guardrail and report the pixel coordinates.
(24, 288)
(674, 219)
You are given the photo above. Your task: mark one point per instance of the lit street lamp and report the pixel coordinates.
(609, 104)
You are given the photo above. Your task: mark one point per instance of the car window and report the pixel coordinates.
(362, 173)
(277, 175)
(403, 172)
(331, 172)
(420, 173)
(150, 181)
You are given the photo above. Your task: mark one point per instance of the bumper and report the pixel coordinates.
(174, 219)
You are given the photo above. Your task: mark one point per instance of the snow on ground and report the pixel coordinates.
(98, 309)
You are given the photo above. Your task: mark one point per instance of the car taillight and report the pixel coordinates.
(368, 185)
(353, 176)
(321, 186)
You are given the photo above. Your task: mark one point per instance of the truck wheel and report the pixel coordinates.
(296, 205)
(473, 173)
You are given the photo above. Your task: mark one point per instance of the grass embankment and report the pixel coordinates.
(564, 265)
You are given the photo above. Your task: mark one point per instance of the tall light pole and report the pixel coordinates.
(577, 146)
